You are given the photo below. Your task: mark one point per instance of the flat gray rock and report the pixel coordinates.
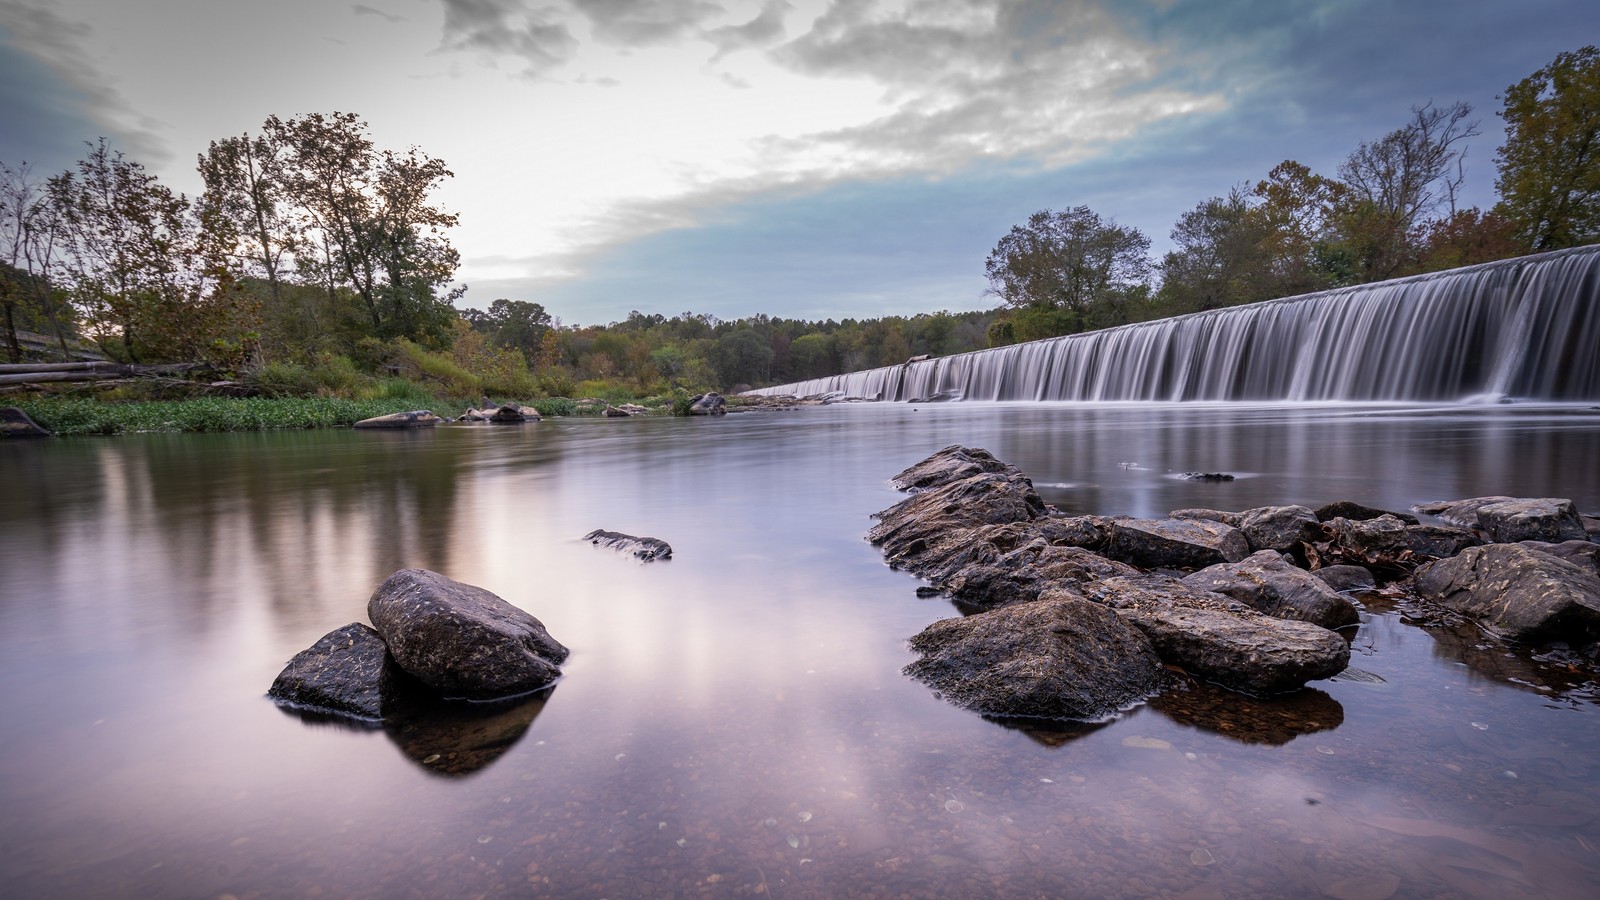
(1175, 543)
(1521, 593)
(1058, 658)
(1267, 584)
(1551, 519)
(460, 640)
(1221, 640)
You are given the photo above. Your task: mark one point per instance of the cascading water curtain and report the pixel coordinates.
(1526, 328)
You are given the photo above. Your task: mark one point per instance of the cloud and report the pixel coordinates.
(58, 42)
(1050, 82)
(361, 9)
(634, 23)
(763, 30)
(508, 27)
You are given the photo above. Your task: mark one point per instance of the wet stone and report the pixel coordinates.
(1175, 543)
(644, 549)
(344, 673)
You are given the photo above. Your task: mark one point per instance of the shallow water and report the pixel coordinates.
(733, 721)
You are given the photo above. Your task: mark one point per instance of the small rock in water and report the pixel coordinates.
(1206, 476)
(645, 549)
(954, 806)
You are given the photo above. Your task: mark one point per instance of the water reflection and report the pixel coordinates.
(156, 584)
(1273, 721)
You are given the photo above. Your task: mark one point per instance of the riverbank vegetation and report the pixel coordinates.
(316, 266)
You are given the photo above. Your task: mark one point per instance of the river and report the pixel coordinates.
(733, 722)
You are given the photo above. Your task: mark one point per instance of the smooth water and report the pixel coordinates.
(734, 721)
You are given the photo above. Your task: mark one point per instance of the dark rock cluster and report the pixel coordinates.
(1249, 600)
(432, 638)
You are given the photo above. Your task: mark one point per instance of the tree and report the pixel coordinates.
(1549, 168)
(1069, 260)
(1394, 183)
(30, 230)
(244, 187)
(1221, 256)
(367, 221)
(1297, 206)
(144, 267)
(741, 356)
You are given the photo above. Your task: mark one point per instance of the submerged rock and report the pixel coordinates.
(1206, 476)
(460, 640)
(646, 549)
(1175, 543)
(1058, 658)
(1521, 593)
(346, 673)
(419, 418)
(1221, 640)
(1267, 584)
(16, 423)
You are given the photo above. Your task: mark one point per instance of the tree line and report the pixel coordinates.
(313, 258)
(1389, 210)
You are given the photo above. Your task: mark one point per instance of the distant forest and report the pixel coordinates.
(315, 262)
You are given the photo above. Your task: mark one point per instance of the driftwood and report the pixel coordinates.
(42, 373)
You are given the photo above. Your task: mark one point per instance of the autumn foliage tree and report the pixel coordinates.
(1549, 168)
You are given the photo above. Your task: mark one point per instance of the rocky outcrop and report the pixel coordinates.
(420, 418)
(953, 463)
(1058, 658)
(989, 498)
(511, 413)
(1521, 593)
(644, 549)
(710, 403)
(1267, 584)
(346, 672)
(14, 423)
(1221, 640)
(1027, 572)
(1175, 543)
(460, 640)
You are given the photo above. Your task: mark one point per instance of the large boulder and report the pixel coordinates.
(1267, 584)
(1175, 543)
(1463, 513)
(1583, 554)
(1221, 640)
(1280, 528)
(1523, 594)
(419, 418)
(16, 423)
(644, 549)
(462, 641)
(1059, 658)
(953, 463)
(1549, 519)
(346, 672)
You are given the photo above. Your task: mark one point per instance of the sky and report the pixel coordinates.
(802, 159)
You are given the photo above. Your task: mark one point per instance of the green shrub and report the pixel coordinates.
(555, 406)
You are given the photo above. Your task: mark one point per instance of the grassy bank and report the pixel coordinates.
(79, 415)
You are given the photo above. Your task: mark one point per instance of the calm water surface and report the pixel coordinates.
(734, 722)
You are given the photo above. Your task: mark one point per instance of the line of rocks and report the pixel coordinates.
(1248, 600)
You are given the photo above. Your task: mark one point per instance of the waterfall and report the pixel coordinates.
(1527, 328)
